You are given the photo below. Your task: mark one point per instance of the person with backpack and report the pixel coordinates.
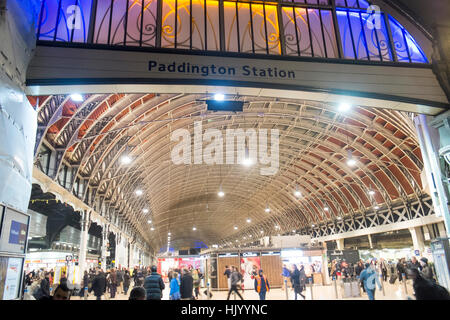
(370, 277)
(235, 278)
(44, 289)
(174, 293)
(154, 285)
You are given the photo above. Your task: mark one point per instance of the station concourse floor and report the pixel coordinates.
(392, 292)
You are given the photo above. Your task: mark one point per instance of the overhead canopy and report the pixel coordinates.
(315, 142)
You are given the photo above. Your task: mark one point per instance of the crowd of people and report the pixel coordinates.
(147, 284)
(370, 272)
(185, 284)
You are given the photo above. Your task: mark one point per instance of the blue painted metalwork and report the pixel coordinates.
(306, 31)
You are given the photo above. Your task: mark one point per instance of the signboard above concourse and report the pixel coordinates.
(390, 86)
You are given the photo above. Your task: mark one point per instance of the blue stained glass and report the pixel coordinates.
(406, 47)
(346, 35)
(363, 4)
(52, 22)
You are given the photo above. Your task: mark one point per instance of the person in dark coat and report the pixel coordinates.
(45, 285)
(85, 284)
(63, 279)
(126, 282)
(154, 285)
(298, 280)
(186, 286)
(113, 282)
(99, 285)
(425, 289)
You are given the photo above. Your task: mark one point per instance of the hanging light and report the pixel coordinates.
(297, 192)
(343, 106)
(125, 159)
(376, 207)
(149, 221)
(339, 218)
(139, 192)
(219, 96)
(326, 209)
(235, 227)
(76, 97)
(169, 234)
(267, 209)
(371, 192)
(249, 220)
(194, 228)
(247, 160)
(262, 231)
(145, 210)
(221, 193)
(350, 160)
(313, 225)
(152, 228)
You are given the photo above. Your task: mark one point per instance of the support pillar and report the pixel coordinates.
(442, 231)
(105, 239)
(83, 244)
(325, 274)
(340, 244)
(370, 241)
(432, 170)
(417, 238)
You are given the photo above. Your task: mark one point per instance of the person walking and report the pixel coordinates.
(196, 278)
(186, 286)
(174, 287)
(126, 282)
(85, 284)
(426, 272)
(297, 280)
(120, 273)
(261, 285)
(113, 282)
(286, 274)
(370, 277)
(99, 285)
(382, 267)
(45, 285)
(235, 278)
(401, 270)
(228, 274)
(154, 285)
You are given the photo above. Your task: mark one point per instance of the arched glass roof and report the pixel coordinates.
(334, 29)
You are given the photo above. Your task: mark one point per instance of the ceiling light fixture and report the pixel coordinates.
(376, 207)
(219, 96)
(149, 221)
(235, 228)
(326, 209)
(343, 106)
(145, 210)
(139, 192)
(249, 220)
(350, 160)
(76, 97)
(194, 228)
(297, 192)
(267, 209)
(125, 159)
